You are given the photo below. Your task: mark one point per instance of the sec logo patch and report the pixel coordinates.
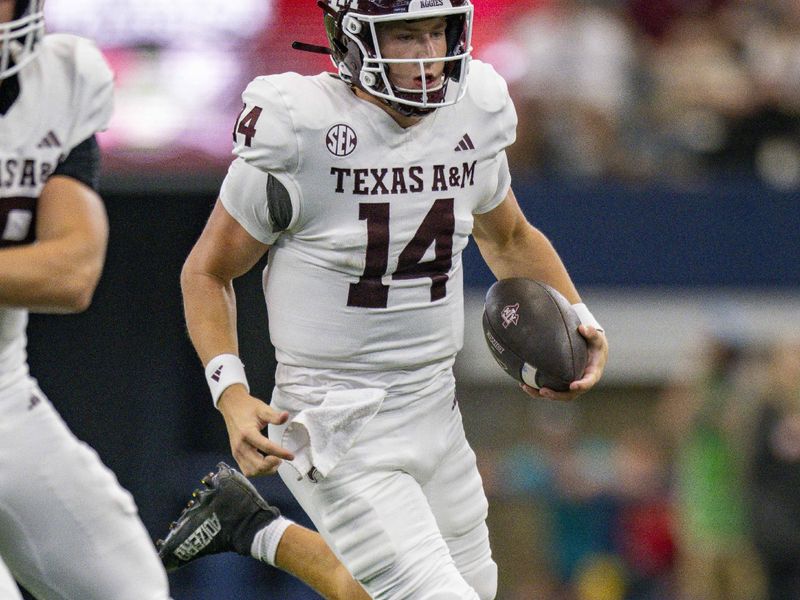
(341, 140)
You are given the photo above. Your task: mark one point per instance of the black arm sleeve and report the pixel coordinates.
(83, 163)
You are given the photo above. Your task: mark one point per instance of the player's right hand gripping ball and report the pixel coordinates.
(532, 332)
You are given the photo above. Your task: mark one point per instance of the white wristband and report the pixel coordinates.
(223, 371)
(586, 317)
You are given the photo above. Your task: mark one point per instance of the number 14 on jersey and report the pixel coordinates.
(437, 228)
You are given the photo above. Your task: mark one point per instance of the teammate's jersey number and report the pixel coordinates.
(437, 228)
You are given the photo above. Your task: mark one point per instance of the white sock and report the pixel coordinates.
(265, 542)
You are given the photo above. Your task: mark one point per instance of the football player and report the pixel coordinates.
(364, 188)
(67, 528)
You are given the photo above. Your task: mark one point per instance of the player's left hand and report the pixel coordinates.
(595, 365)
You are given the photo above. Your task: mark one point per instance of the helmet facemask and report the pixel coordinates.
(356, 52)
(19, 37)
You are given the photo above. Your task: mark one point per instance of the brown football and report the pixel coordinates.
(532, 332)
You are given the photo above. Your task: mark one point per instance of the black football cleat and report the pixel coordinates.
(224, 516)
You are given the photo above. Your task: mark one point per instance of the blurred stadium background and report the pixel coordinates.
(659, 148)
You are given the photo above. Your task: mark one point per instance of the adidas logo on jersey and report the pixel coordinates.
(465, 144)
(50, 141)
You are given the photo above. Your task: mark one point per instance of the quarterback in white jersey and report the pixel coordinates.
(365, 187)
(67, 528)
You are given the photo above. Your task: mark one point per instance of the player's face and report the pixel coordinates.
(6, 10)
(414, 39)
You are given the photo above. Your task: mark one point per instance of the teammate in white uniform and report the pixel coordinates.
(364, 188)
(67, 528)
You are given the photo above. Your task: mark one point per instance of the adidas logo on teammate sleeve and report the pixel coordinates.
(50, 141)
(465, 144)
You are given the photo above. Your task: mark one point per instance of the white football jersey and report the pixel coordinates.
(367, 274)
(65, 97)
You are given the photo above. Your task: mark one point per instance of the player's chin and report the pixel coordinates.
(432, 82)
(413, 86)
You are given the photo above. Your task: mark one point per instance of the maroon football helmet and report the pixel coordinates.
(351, 27)
(20, 35)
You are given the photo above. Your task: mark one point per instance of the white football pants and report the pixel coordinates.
(404, 509)
(68, 530)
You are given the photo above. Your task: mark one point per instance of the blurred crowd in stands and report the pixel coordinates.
(667, 90)
(699, 501)
(697, 497)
